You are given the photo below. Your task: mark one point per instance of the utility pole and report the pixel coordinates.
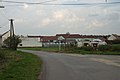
(11, 28)
(12, 35)
(2, 6)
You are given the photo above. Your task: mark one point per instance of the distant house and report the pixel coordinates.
(48, 40)
(71, 39)
(114, 37)
(77, 39)
(3, 37)
(93, 43)
(30, 41)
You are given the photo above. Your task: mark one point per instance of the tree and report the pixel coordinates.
(12, 42)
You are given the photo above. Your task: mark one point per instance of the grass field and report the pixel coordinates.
(50, 49)
(79, 50)
(16, 65)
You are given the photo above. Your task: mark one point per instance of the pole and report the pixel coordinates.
(11, 28)
(59, 46)
(12, 35)
(2, 6)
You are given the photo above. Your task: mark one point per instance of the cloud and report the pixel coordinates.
(76, 19)
(59, 15)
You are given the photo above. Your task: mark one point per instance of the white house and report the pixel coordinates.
(114, 37)
(30, 41)
(3, 37)
(93, 43)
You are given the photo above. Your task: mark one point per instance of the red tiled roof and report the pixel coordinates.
(48, 38)
(79, 36)
(64, 35)
(33, 36)
(88, 36)
(70, 35)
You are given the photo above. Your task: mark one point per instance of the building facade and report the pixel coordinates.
(30, 41)
(3, 37)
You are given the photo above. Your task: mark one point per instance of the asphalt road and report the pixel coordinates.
(59, 66)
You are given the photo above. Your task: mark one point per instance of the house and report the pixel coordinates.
(70, 38)
(77, 39)
(30, 41)
(48, 41)
(114, 37)
(3, 37)
(93, 43)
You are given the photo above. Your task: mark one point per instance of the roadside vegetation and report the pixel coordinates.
(50, 49)
(17, 65)
(101, 50)
(12, 42)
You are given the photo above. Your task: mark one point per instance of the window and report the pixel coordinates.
(20, 44)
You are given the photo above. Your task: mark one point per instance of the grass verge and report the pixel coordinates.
(75, 51)
(50, 49)
(17, 65)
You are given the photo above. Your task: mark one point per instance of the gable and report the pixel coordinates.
(112, 37)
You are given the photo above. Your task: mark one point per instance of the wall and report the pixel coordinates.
(112, 37)
(5, 36)
(30, 42)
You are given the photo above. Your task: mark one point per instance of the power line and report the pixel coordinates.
(85, 3)
(45, 3)
(1, 6)
(28, 2)
(1, 26)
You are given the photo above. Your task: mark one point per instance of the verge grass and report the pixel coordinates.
(75, 50)
(17, 65)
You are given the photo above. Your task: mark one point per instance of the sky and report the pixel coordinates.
(39, 19)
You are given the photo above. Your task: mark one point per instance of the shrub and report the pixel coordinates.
(12, 42)
(88, 48)
(104, 48)
(116, 48)
(2, 55)
(113, 41)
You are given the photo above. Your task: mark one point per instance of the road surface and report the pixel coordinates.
(59, 66)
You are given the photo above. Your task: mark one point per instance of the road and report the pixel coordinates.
(59, 66)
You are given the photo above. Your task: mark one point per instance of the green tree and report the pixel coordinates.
(12, 42)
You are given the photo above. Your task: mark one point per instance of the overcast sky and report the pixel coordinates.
(52, 19)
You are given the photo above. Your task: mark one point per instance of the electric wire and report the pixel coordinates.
(28, 2)
(45, 3)
(4, 25)
(3, 12)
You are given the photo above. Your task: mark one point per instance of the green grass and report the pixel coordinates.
(17, 65)
(50, 49)
(74, 50)
(93, 52)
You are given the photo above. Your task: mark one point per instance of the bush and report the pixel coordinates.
(88, 48)
(113, 41)
(116, 48)
(104, 48)
(12, 42)
(2, 55)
